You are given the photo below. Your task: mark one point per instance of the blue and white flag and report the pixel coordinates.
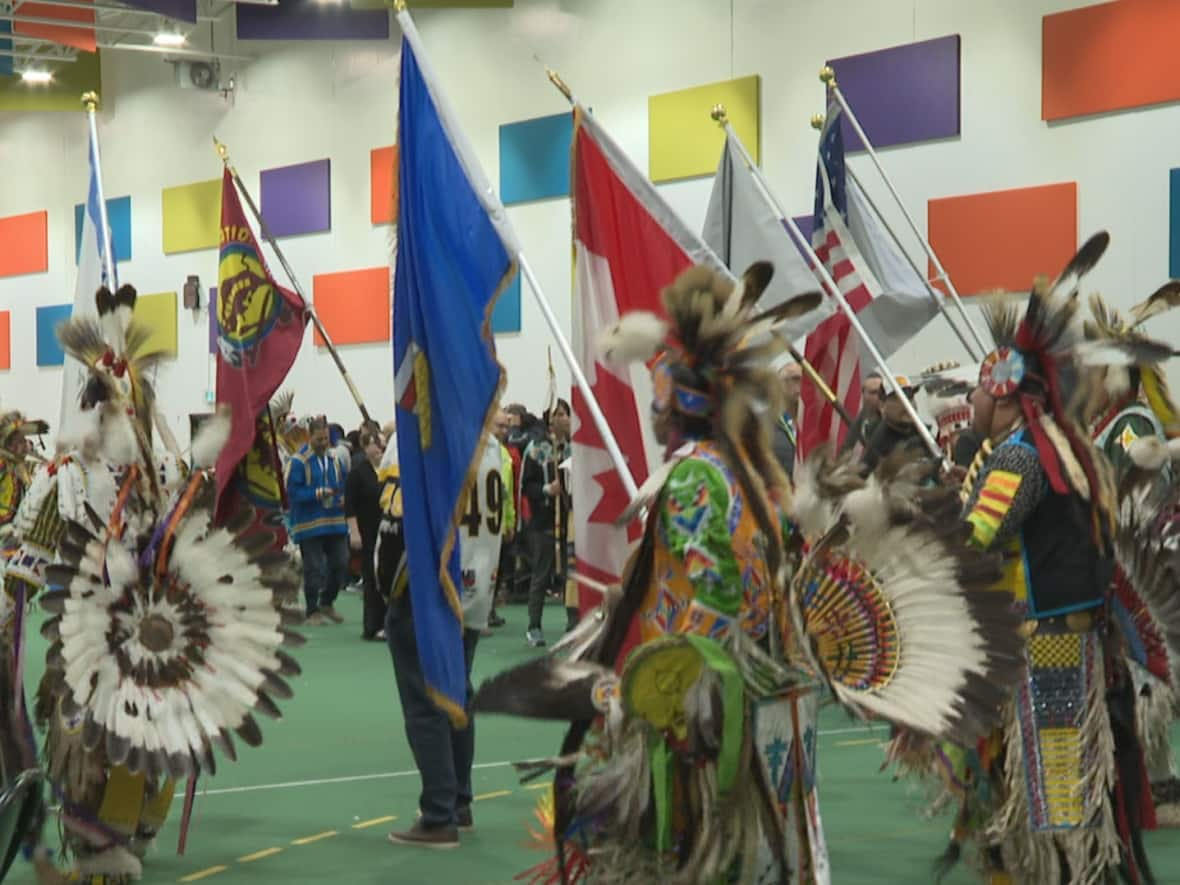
(455, 254)
(92, 275)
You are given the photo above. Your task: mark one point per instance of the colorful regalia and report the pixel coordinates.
(1133, 420)
(165, 630)
(1052, 795)
(691, 757)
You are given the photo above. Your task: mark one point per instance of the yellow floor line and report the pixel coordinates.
(365, 824)
(859, 743)
(494, 795)
(259, 855)
(204, 874)
(538, 786)
(307, 840)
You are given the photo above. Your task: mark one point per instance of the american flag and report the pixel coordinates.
(833, 347)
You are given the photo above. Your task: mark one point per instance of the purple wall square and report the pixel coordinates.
(902, 94)
(309, 20)
(297, 199)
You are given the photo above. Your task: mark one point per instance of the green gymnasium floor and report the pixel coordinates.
(315, 802)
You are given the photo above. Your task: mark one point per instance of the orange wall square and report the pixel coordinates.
(25, 241)
(1109, 57)
(353, 305)
(79, 38)
(383, 185)
(5, 340)
(1004, 239)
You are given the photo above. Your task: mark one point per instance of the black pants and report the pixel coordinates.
(374, 616)
(325, 569)
(442, 753)
(542, 561)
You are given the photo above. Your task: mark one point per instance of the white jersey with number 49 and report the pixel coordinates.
(480, 530)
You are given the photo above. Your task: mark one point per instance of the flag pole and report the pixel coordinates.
(828, 283)
(817, 123)
(828, 77)
(90, 103)
(223, 152)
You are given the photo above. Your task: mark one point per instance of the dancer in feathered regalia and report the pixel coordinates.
(1052, 795)
(1133, 416)
(165, 630)
(696, 763)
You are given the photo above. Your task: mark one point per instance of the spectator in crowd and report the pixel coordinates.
(544, 487)
(315, 488)
(362, 506)
(783, 440)
(895, 429)
(510, 467)
(865, 424)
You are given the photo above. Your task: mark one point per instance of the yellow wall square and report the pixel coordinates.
(683, 141)
(158, 313)
(63, 94)
(192, 216)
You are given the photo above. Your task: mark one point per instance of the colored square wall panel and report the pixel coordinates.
(158, 313)
(192, 216)
(297, 199)
(903, 94)
(119, 218)
(25, 240)
(5, 340)
(1004, 239)
(506, 313)
(353, 305)
(69, 82)
(1174, 224)
(1109, 57)
(682, 139)
(535, 158)
(67, 35)
(309, 20)
(49, 352)
(383, 185)
(5, 46)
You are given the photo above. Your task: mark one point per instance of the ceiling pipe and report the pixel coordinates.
(174, 51)
(65, 23)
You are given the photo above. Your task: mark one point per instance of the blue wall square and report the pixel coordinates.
(6, 45)
(119, 218)
(506, 313)
(49, 352)
(535, 158)
(1174, 226)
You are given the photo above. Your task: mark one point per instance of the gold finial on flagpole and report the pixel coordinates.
(90, 101)
(222, 150)
(817, 121)
(556, 80)
(719, 115)
(827, 75)
(399, 5)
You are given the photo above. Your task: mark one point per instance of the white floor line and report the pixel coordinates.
(389, 774)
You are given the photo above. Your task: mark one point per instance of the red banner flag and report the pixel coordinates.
(260, 327)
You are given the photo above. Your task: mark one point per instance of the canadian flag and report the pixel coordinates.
(628, 245)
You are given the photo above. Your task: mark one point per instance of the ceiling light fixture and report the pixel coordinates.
(34, 76)
(173, 40)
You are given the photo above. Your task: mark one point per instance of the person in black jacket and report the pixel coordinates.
(362, 506)
(543, 486)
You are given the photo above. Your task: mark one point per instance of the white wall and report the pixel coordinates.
(302, 102)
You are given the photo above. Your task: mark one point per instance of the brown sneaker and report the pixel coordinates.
(315, 619)
(329, 612)
(428, 837)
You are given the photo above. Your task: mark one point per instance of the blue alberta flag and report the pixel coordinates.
(455, 254)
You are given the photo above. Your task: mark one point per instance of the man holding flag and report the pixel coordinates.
(454, 257)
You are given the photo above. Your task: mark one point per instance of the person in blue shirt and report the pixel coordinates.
(315, 488)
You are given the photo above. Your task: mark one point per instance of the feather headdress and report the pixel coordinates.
(1035, 362)
(1126, 361)
(169, 641)
(945, 395)
(112, 347)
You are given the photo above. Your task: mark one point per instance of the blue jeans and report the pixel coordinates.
(325, 569)
(442, 753)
